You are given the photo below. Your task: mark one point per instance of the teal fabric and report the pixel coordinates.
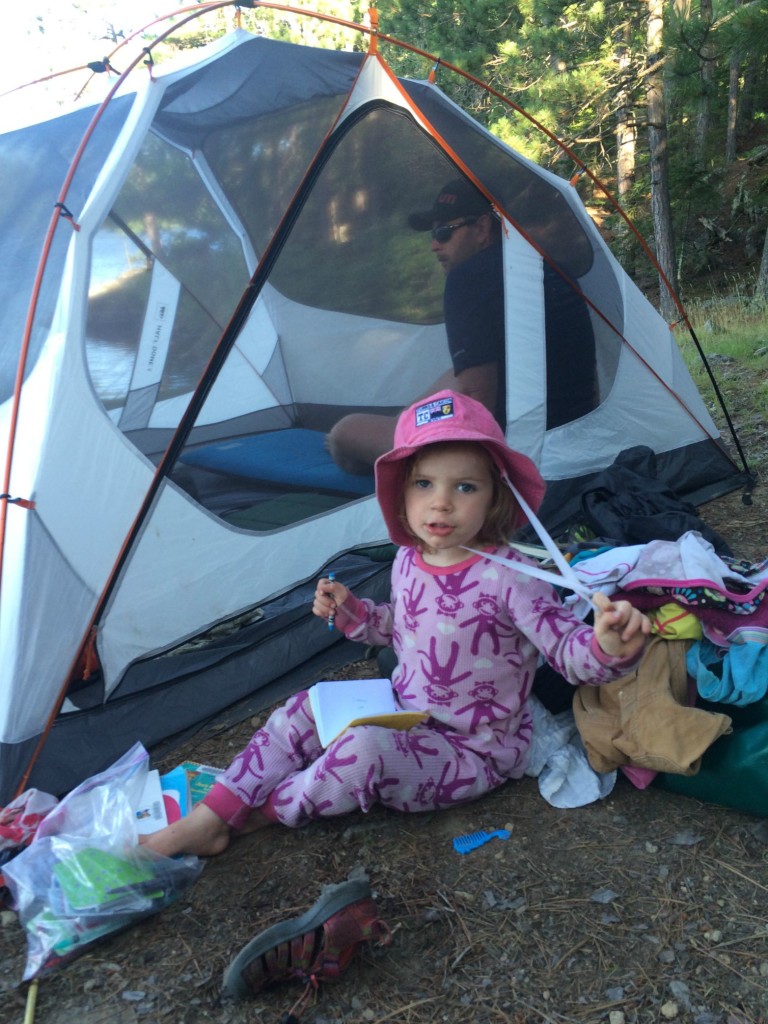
(736, 675)
(734, 771)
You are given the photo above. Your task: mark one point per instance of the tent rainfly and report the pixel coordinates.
(226, 270)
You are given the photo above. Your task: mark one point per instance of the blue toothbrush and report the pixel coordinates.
(471, 841)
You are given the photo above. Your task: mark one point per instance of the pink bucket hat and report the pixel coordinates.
(448, 416)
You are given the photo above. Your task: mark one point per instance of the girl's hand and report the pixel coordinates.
(329, 595)
(620, 629)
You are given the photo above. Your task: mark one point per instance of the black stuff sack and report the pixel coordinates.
(626, 504)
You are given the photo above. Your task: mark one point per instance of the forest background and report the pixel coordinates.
(659, 109)
(656, 109)
(659, 101)
(640, 908)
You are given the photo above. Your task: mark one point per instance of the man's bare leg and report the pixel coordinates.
(357, 440)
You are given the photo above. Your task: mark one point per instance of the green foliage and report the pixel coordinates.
(731, 330)
(575, 67)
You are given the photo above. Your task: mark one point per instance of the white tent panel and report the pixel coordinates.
(240, 387)
(219, 571)
(314, 341)
(373, 83)
(637, 412)
(58, 556)
(526, 357)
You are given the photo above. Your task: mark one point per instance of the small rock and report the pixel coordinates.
(681, 992)
(131, 996)
(669, 1010)
(715, 935)
(763, 969)
(604, 896)
(651, 847)
(666, 956)
(686, 838)
(616, 1017)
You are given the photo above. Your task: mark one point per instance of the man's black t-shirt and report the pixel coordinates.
(474, 321)
(474, 316)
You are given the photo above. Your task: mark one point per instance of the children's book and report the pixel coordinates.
(150, 813)
(338, 704)
(93, 878)
(200, 778)
(175, 786)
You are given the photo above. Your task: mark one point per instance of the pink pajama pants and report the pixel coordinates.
(286, 774)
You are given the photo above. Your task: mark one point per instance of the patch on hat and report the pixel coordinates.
(433, 412)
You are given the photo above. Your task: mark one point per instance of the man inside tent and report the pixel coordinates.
(466, 240)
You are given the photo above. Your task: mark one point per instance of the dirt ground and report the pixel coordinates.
(644, 907)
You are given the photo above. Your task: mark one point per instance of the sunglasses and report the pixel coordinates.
(444, 233)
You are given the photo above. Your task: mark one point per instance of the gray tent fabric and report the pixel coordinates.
(230, 271)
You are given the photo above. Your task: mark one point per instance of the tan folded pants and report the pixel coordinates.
(644, 718)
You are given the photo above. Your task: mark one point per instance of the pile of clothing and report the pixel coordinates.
(703, 677)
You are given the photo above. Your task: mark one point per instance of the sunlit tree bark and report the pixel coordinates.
(626, 125)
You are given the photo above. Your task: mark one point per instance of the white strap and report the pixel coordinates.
(571, 583)
(568, 579)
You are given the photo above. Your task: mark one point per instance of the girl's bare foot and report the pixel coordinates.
(202, 834)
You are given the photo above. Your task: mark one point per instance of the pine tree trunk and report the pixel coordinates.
(626, 141)
(659, 160)
(626, 126)
(761, 289)
(733, 103)
(707, 75)
(733, 109)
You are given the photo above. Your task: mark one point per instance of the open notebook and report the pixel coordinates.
(338, 704)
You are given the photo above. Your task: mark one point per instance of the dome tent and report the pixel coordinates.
(228, 270)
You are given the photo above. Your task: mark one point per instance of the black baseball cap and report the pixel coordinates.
(458, 198)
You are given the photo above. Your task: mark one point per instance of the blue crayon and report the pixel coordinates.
(332, 616)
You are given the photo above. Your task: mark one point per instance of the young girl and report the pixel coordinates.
(467, 633)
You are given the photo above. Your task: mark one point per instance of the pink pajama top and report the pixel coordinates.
(468, 639)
